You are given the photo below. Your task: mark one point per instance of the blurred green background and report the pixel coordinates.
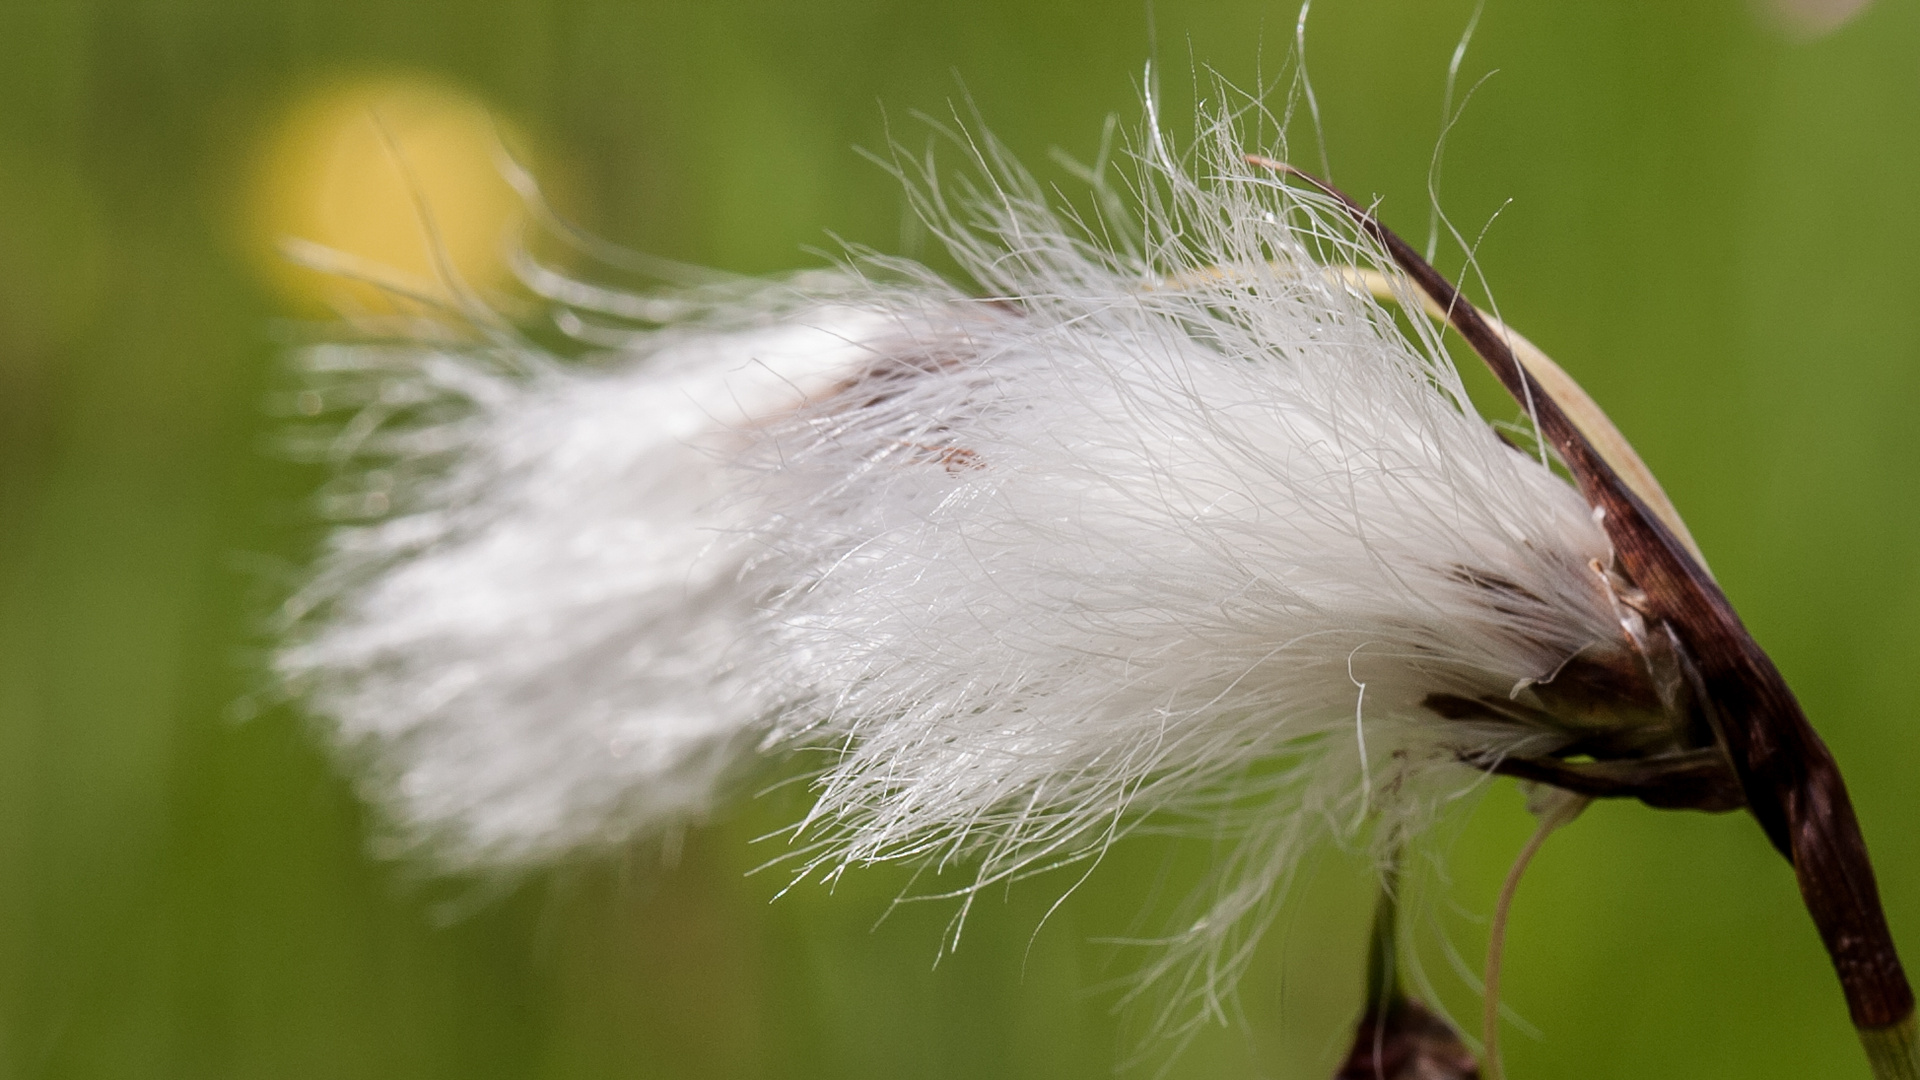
(1711, 215)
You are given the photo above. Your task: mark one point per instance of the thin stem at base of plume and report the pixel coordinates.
(1893, 1051)
(1397, 1037)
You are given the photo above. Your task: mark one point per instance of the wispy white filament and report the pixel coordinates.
(1177, 529)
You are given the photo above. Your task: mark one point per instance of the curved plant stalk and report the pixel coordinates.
(1786, 776)
(1558, 812)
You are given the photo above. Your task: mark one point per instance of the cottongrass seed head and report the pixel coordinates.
(1179, 529)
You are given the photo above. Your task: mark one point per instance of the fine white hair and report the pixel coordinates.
(1180, 528)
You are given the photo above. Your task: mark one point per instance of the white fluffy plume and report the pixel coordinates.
(1181, 529)
(541, 649)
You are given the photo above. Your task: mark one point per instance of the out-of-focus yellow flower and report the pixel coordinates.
(395, 183)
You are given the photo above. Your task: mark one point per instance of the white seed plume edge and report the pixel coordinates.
(1179, 530)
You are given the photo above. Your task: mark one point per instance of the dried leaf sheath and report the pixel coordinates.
(1582, 411)
(1789, 779)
